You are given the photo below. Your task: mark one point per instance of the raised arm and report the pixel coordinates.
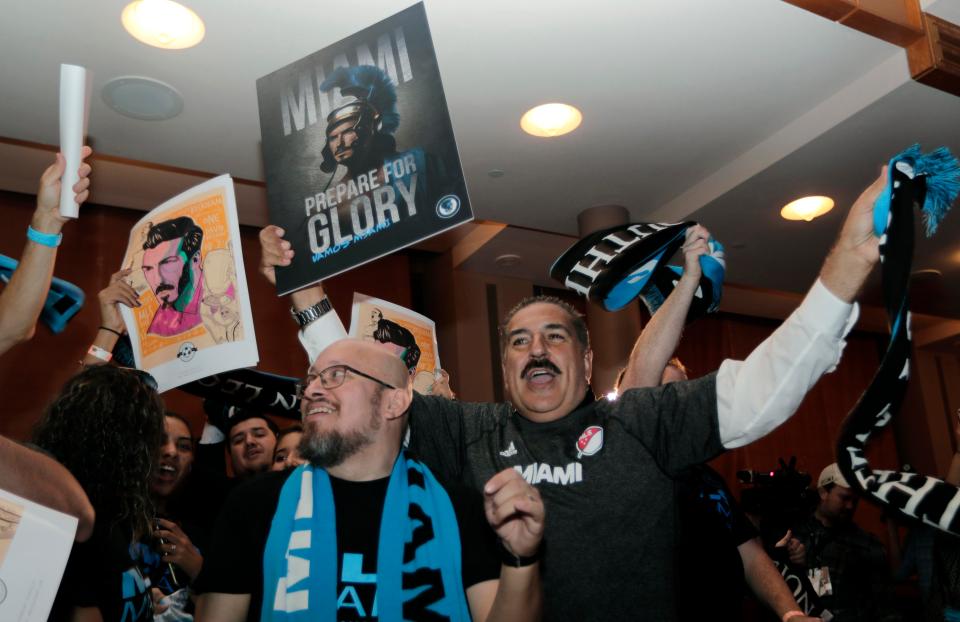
(318, 333)
(23, 297)
(756, 395)
(117, 292)
(659, 338)
(35, 476)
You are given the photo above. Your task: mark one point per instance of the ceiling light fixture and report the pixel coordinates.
(163, 24)
(551, 120)
(807, 208)
(508, 260)
(142, 98)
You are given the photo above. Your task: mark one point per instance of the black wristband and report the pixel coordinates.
(516, 561)
(110, 330)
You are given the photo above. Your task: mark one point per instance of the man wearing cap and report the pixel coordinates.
(605, 468)
(847, 565)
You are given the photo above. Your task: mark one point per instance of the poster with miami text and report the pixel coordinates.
(358, 150)
(35, 542)
(185, 263)
(408, 334)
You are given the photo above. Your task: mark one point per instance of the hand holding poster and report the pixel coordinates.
(194, 319)
(409, 335)
(359, 151)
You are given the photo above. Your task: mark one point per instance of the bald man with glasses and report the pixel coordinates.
(364, 530)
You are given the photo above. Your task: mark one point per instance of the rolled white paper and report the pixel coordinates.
(74, 110)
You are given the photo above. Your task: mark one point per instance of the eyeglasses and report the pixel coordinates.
(332, 377)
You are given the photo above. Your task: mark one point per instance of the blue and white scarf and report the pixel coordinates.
(418, 560)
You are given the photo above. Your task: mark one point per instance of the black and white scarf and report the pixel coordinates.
(931, 181)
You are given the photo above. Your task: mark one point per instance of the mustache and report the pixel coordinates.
(164, 287)
(543, 363)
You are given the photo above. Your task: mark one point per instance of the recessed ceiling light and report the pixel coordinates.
(163, 24)
(807, 208)
(508, 260)
(551, 120)
(141, 98)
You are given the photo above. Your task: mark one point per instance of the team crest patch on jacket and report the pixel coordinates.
(590, 442)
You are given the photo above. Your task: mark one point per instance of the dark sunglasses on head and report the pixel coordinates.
(143, 377)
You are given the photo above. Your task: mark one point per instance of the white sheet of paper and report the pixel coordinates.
(195, 318)
(74, 111)
(35, 543)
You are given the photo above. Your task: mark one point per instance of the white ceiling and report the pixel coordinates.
(723, 110)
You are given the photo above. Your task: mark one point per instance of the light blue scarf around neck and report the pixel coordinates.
(418, 560)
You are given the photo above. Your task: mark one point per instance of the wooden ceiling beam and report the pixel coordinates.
(895, 21)
(935, 58)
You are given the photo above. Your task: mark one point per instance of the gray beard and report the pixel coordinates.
(329, 449)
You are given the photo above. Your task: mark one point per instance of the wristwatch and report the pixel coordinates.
(313, 313)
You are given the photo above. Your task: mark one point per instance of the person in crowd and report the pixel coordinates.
(23, 470)
(847, 565)
(173, 558)
(106, 427)
(365, 531)
(616, 460)
(252, 441)
(287, 455)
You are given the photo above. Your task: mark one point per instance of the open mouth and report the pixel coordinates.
(540, 377)
(319, 410)
(166, 473)
(540, 372)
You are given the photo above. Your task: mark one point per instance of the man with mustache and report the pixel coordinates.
(605, 468)
(172, 268)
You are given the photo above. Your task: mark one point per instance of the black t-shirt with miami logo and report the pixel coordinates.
(605, 472)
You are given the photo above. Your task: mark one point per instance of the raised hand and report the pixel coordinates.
(118, 291)
(693, 247)
(274, 251)
(47, 218)
(857, 249)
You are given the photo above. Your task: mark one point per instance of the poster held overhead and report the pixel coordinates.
(194, 318)
(406, 333)
(74, 112)
(359, 151)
